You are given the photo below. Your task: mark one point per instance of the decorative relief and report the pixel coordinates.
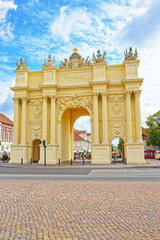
(99, 58)
(36, 102)
(116, 108)
(73, 102)
(37, 112)
(49, 62)
(22, 65)
(115, 98)
(35, 132)
(130, 55)
(117, 129)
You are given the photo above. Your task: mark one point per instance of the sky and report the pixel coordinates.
(33, 29)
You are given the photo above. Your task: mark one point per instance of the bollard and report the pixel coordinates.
(83, 160)
(114, 160)
(71, 161)
(59, 162)
(21, 160)
(31, 161)
(125, 161)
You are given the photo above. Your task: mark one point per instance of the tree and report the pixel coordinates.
(153, 130)
(120, 144)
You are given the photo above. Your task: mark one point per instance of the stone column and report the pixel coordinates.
(138, 116)
(104, 118)
(95, 118)
(128, 116)
(16, 120)
(59, 138)
(53, 120)
(44, 119)
(24, 121)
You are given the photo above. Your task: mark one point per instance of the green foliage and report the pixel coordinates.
(120, 144)
(153, 130)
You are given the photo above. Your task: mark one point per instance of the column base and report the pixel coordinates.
(51, 154)
(135, 153)
(19, 151)
(100, 154)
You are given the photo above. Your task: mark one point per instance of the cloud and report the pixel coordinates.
(83, 123)
(5, 26)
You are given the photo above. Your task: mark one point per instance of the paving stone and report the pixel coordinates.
(74, 210)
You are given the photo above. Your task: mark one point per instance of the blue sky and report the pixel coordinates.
(33, 29)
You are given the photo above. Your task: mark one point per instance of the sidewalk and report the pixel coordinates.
(150, 163)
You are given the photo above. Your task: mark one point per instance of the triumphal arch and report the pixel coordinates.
(48, 102)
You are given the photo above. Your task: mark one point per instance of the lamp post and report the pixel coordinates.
(44, 144)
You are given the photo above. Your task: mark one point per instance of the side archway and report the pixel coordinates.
(36, 150)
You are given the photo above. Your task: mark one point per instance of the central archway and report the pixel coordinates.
(69, 117)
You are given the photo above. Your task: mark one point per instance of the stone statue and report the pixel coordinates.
(75, 61)
(99, 58)
(22, 66)
(49, 62)
(130, 55)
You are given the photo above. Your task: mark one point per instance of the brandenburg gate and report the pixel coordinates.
(48, 102)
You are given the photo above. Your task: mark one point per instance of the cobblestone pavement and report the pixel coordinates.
(64, 210)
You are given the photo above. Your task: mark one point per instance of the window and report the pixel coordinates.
(2, 135)
(11, 136)
(7, 136)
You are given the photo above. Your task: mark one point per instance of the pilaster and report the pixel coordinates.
(104, 118)
(44, 118)
(53, 120)
(24, 120)
(95, 118)
(128, 116)
(138, 116)
(16, 120)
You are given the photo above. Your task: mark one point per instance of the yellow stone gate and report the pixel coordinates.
(48, 102)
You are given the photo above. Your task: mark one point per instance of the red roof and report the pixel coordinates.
(5, 119)
(77, 137)
(144, 135)
(81, 131)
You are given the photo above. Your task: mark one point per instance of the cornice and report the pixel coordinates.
(20, 88)
(74, 86)
(22, 71)
(133, 80)
(99, 83)
(48, 86)
(74, 69)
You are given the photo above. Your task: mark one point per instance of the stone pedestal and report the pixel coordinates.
(51, 154)
(101, 154)
(135, 153)
(18, 152)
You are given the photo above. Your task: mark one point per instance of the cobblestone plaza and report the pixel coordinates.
(73, 210)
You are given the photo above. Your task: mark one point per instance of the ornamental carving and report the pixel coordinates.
(22, 65)
(35, 132)
(130, 55)
(74, 102)
(37, 112)
(75, 61)
(117, 129)
(116, 108)
(50, 62)
(99, 58)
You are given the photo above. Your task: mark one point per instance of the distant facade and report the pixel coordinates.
(6, 133)
(48, 102)
(82, 141)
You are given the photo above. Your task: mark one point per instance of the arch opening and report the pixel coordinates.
(69, 118)
(118, 150)
(36, 150)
